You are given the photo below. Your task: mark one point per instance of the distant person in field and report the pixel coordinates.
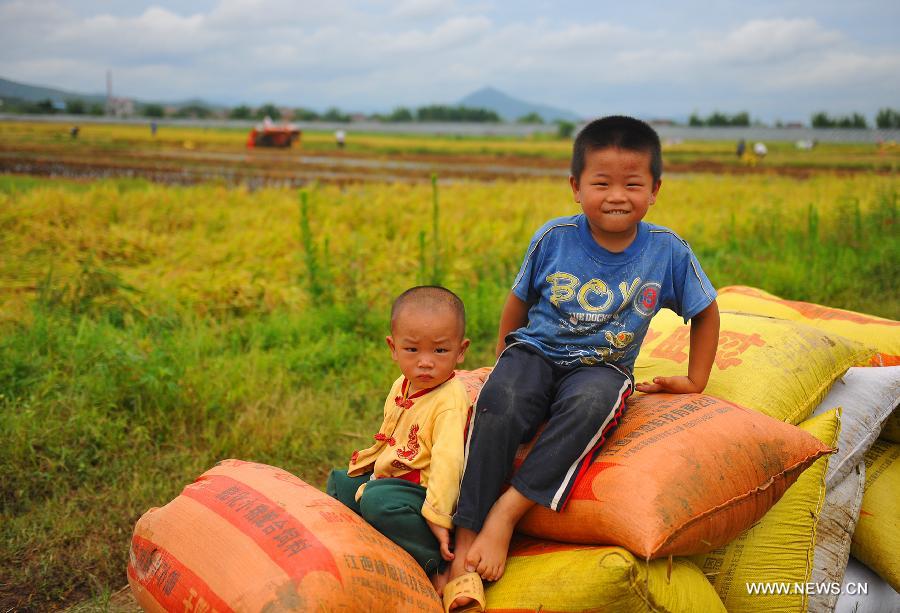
(339, 138)
(741, 148)
(406, 484)
(569, 335)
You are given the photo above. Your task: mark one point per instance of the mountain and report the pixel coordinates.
(35, 93)
(510, 108)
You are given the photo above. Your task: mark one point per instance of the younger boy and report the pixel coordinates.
(569, 335)
(407, 483)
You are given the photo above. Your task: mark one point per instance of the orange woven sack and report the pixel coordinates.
(681, 474)
(473, 380)
(882, 334)
(251, 537)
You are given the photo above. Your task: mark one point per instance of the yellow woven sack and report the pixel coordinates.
(777, 553)
(778, 367)
(882, 334)
(891, 430)
(554, 577)
(876, 542)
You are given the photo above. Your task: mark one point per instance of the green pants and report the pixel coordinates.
(394, 508)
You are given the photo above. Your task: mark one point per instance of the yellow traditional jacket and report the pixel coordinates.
(422, 440)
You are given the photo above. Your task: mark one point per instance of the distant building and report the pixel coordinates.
(119, 107)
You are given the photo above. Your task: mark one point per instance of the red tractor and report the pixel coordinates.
(268, 134)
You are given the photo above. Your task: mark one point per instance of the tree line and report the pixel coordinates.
(885, 118)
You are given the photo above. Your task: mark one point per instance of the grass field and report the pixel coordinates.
(148, 331)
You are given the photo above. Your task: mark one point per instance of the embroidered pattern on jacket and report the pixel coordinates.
(381, 437)
(412, 445)
(400, 465)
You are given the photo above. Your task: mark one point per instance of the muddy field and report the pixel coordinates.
(294, 168)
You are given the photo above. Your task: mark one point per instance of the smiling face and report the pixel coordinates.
(427, 345)
(615, 191)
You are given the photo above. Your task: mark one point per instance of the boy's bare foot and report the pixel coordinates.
(487, 555)
(462, 543)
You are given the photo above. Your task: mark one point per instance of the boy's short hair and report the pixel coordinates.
(430, 297)
(617, 131)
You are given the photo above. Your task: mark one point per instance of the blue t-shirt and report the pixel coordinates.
(590, 305)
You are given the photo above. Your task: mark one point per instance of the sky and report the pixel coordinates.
(778, 60)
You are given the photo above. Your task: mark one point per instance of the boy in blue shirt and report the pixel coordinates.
(569, 335)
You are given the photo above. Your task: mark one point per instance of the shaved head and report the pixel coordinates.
(431, 298)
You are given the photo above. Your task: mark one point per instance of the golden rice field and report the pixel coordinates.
(217, 249)
(148, 331)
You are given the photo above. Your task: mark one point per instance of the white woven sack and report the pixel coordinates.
(867, 396)
(880, 597)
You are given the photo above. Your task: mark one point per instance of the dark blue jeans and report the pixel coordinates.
(525, 390)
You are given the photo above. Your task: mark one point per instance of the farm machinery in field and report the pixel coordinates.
(270, 134)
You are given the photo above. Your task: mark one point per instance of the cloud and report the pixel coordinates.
(156, 35)
(453, 34)
(418, 9)
(376, 55)
(772, 40)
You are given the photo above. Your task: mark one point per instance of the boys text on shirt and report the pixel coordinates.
(589, 305)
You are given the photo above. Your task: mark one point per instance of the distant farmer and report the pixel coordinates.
(339, 136)
(74, 131)
(741, 148)
(153, 128)
(760, 150)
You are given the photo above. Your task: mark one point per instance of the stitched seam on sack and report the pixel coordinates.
(808, 460)
(823, 490)
(635, 585)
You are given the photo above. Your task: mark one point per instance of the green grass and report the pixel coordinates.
(116, 390)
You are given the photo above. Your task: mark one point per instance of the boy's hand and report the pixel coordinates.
(672, 385)
(442, 535)
(704, 341)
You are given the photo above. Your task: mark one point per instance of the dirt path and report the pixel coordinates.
(258, 168)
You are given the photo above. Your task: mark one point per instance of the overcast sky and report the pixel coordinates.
(780, 59)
